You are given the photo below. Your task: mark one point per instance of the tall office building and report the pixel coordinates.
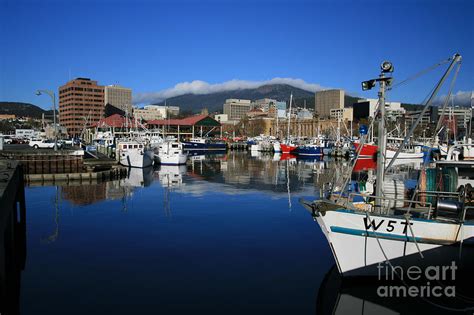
(327, 100)
(236, 109)
(119, 97)
(81, 101)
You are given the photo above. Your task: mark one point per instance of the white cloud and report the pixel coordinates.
(460, 98)
(202, 87)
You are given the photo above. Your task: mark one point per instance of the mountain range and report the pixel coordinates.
(20, 109)
(194, 103)
(214, 101)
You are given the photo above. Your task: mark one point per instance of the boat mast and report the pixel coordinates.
(277, 130)
(289, 119)
(381, 142)
(384, 81)
(455, 59)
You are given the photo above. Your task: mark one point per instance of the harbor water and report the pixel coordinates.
(224, 234)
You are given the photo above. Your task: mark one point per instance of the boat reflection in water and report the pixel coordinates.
(340, 296)
(171, 175)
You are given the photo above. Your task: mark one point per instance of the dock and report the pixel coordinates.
(237, 146)
(12, 235)
(74, 178)
(42, 167)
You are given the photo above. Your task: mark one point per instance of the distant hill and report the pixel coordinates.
(23, 110)
(214, 101)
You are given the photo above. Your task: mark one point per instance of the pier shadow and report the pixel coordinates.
(12, 238)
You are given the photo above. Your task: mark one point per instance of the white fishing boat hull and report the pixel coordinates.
(361, 251)
(171, 153)
(276, 147)
(404, 155)
(136, 158)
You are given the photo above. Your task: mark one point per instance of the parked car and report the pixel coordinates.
(19, 141)
(7, 139)
(42, 144)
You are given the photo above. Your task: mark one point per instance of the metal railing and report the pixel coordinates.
(424, 205)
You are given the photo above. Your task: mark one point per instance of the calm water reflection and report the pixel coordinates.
(224, 234)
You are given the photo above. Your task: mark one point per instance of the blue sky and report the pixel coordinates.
(151, 46)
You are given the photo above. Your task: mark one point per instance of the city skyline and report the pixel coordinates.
(164, 48)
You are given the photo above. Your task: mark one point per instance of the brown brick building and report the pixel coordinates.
(80, 99)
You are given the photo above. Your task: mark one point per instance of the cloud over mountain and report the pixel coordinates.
(199, 87)
(460, 98)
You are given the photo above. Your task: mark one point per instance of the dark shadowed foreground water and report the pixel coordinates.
(223, 235)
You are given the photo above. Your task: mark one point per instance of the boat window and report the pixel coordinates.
(140, 146)
(135, 146)
(124, 146)
(174, 145)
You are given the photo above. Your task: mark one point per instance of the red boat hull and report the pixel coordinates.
(368, 150)
(286, 148)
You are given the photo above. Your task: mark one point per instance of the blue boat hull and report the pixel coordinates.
(308, 151)
(197, 146)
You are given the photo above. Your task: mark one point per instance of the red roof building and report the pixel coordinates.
(188, 127)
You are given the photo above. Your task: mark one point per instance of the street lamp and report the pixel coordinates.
(53, 97)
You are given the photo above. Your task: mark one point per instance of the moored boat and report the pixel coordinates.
(392, 227)
(134, 154)
(171, 153)
(309, 149)
(202, 144)
(287, 147)
(276, 147)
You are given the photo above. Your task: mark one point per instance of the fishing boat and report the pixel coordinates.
(370, 150)
(276, 147)
(424, 228)
(170, 153)
(203, 144)
(134, 154)
(308, 150)
(288, 146)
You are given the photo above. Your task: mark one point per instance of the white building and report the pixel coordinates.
(25, 133)
(236, 109)
(147, 114)
(393, 109)
(163, 110)
(343, 114)
(119, 97)
(222, 118)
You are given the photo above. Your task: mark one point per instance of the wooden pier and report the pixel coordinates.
(50, 167)
(46, 161)
(237, 146)
(12, 235)
(73, 178)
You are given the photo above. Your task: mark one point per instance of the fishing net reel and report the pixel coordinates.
(466, 194)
